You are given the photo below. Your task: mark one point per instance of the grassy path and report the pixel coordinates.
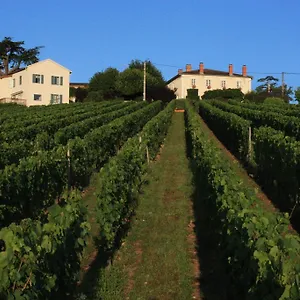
(158, 258)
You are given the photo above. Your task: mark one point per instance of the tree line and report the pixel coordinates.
(113, 84)
(128, 84)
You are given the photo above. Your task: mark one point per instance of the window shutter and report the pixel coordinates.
(42, 79)
(60, 98)
(33, 78)
(61, 80)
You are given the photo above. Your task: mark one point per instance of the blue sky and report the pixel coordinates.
(89, 36)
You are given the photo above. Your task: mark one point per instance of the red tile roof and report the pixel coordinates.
(207, 72)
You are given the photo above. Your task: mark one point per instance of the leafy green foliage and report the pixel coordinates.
(105, 83)
(297, 94)
(231, 129)
(29, 127)
(288, 124)
(32, 185)
(270, 88)
(263, 256)
(278, 163)
(72, 91)
(162, 93)
(276, 156)
(13, 55)
(80, 128)
(104, 142)
(94, 96)
(121, 177)
(193, 94)
(130, 81)
(286, 110)
(268, 81)
(81, 121)
(37, 259)
(224, 94)
(80, 94)
(150, 69)
(274, 101)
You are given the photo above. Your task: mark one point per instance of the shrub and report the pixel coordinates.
(224, 94)
(192, 94)
(274, 101)
(94, 97)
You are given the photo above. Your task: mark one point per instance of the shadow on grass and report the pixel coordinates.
(213, 280)
(91, 282)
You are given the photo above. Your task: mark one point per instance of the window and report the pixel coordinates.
(37, 97)
(37, 78)
(56, 80)
(193, 81)
(14, 82)
(223, 84)
(208, 83)
(56, 99)
(238, 84)
(20, 80)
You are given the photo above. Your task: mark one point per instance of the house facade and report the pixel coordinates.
(207, 79)
(76, 85)
(42, 83)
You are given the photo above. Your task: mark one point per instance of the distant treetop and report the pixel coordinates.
(13, 56)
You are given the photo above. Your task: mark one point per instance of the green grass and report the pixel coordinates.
(90, 201)
(155, 261)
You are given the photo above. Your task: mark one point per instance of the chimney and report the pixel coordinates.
(180, 71)
(230, 71)
(244, 70)
(188, 68)
(201, 68)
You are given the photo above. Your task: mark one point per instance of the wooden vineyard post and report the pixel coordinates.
(249, 143)
(147, 150)
(140, 141)
(69, 168)
(147, 153)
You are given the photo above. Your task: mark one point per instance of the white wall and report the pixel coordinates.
(11, 87)
(184, 82)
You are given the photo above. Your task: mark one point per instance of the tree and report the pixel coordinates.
(80, 94)
(224, 94)
(72, 92)
(94, 96)
(130, 81)
(270, 88)
(274, 101)
(297, 94)
(267, 81)
(150, 70)
(162, 93)
(105, 82)
(13, 55)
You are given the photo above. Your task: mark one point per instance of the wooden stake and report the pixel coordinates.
(147, 152)
(69, 168)
(250, 143)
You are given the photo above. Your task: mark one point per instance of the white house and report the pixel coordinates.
(42, 83)
(207, 79)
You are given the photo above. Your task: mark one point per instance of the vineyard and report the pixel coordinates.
(261, 249)
(267, 140)
(49, 155)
